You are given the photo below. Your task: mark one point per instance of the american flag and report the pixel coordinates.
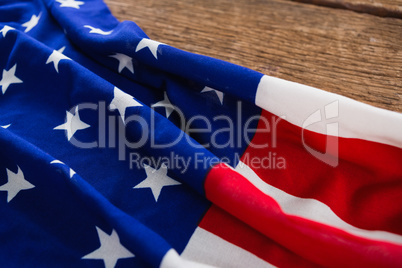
(121, 151)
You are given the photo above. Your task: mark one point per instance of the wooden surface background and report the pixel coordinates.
(350, 47)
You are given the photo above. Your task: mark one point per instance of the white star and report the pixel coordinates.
(72, 172)
(121, 101)
(9, 78)
(219, 94)
(110, 250)
(70, 3)
(6, 126)
(124, 62)
(32, 22)
(72, 124)
(169, 107)
(150, 44)
(16, 183)
(56, 57)
(5, 30)
(156, 180)
(97, 30)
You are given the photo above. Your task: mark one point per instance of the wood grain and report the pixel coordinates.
(352, 54)
(382, 8)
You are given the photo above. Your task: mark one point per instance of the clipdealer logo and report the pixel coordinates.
(112, 133)
(328, 120)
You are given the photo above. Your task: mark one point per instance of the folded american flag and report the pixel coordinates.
(121, 151)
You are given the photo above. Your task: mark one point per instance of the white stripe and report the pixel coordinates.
(173, 260)
(308, 107)
(208, 248)
(312, 209)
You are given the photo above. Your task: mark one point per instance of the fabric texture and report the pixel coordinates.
(121, 151)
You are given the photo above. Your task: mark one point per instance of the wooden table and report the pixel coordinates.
(350, 47)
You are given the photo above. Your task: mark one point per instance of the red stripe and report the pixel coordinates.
(231, 229)
(319, 243)
(362, 190)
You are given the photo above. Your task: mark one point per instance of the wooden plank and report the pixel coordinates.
(352, 54)
(382, 8)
